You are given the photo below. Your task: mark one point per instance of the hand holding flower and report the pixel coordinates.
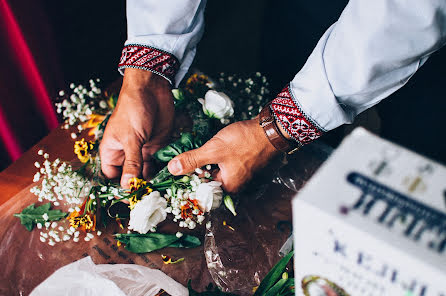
(139, 126)
(239, 150)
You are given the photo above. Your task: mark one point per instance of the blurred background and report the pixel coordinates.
(45, 45)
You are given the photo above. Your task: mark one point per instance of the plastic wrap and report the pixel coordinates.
(85, 278)
(240, 250)
(235, 255)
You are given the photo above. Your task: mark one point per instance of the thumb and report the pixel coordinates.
(132, 164)
(188, 161)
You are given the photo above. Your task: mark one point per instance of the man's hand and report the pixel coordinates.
(239, 150)
(140, 125)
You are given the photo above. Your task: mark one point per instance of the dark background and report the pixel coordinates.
(73, 41)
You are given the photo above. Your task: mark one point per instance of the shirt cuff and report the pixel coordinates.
(293, 120)
(150, 59)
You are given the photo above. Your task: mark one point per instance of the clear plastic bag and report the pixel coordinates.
(85, 278)
(240, 250)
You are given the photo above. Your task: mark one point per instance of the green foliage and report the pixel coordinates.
(144, 243)
(273, 277)
(31, 215)
(229, 204)
(185, 143)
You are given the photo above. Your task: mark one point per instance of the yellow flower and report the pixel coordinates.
(168, 260)
(82, 149)
(136, 184)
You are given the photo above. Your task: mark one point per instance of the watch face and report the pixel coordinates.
(313, 285)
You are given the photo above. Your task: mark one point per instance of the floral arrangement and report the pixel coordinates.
(93, 201)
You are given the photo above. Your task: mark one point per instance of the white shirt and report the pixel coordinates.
(369, 53)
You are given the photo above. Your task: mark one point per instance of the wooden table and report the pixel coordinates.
(250, 251)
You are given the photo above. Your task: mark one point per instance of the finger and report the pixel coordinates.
(111, 161)
(111, 171)
(132, 164)
(188, 161)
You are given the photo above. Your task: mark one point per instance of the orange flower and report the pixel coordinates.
(186, 211)
(195, 80)
(93, 123)
(195, 203)
(86, 222)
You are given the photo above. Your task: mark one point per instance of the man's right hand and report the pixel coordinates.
(140, 125)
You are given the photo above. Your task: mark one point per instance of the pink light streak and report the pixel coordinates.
(28, 66)
(11, 144)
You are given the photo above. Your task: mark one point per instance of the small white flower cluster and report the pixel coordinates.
(207, 196)
(59, 182)
(78, 106)
(55, 232)
(182, 198)
(248, 93)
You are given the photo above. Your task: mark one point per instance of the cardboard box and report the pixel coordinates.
(371, 221)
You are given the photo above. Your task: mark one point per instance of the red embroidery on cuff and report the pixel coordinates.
(150, 59)
(293, 120)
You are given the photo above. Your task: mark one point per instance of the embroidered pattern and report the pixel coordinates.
(150, 59)
(293, 120)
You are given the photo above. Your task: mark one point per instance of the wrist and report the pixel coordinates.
(263, 142)
(143, 80)
(146, 91)
(275, 132)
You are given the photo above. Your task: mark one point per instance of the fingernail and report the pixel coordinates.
(125, 179)
(175, 167)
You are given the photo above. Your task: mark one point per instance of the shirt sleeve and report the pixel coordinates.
(370, 52)
(162, 36)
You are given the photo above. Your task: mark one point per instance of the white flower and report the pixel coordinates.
(217, 105)
(209, 195)
(147, 213)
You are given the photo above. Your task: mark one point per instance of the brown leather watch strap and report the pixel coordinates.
(268, 122)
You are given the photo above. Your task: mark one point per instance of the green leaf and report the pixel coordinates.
(31, 215)
(229, 204)
(276, 288)
(165, 154)
(161, 177)
(274, 275)
(149, 242)
(288, 288)
(186, 241)
(185, 143)
(178, 94)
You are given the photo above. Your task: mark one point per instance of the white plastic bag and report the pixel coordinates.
(83, 277)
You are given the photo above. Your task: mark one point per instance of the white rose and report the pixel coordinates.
(217, 105)
(209, 195)
(147, 213)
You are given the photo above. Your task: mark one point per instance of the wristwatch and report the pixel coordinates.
(268, 122)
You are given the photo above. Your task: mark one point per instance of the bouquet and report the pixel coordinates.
(93, 201)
